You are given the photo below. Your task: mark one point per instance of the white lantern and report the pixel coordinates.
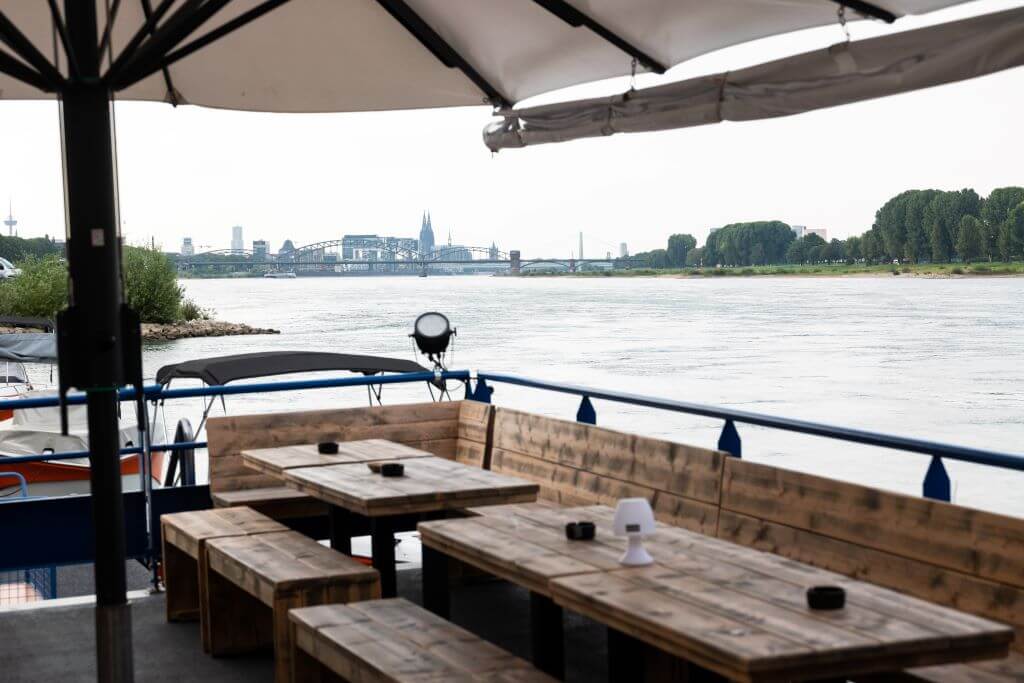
(634, 519)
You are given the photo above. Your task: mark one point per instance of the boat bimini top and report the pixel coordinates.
(225, 369)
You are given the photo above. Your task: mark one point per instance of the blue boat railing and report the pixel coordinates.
(729, 441)
(478, 387)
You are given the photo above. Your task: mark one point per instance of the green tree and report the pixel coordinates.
(151, 285)
(996, 210)
(679, 246)
(943, 216)
(745, 244)
(695, 257)
(970, 239)
(853, 248)
(1011, 235)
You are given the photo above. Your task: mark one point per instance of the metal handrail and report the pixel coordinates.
(156, 393)
(934, 448)
(21, 481)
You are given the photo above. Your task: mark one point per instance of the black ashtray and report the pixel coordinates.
(327, 447)
(392, 469)
(826, 597)
(580, 531)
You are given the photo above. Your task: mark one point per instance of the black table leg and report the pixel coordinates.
(382, 535)
(435, 582)
(546, 636)
(626, 661)
(341, 529)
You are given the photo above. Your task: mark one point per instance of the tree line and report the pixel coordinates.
(16, 249)
(914, 226)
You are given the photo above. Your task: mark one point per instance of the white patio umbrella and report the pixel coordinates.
(305, 56)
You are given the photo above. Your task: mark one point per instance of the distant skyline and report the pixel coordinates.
(198, 172)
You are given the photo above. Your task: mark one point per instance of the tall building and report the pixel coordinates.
(581, 246)
(237, 243)
(260, 250)
(186, 247)
(426, 235)
(623, 250)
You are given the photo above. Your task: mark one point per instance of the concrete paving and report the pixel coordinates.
(57, 643)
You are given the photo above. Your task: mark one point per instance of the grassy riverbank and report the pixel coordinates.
(818, 270)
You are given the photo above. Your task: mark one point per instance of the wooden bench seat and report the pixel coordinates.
(395, 641)
(278, 502)
(184, 536)
(252, 582)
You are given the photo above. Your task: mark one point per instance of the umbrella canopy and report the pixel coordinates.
(841, 74)
(357, 55)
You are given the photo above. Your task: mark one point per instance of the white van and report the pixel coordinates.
(7, 269)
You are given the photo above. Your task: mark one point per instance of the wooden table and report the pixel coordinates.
(729, 609)
(275, 461)
(431, 486)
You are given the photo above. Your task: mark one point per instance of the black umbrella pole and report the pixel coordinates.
(113, 615)
(95, 293)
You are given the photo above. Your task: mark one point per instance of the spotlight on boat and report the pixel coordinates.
(432, 333)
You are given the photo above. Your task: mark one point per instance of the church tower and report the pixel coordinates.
(426, 235)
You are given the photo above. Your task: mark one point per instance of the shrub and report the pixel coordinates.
(151, 285)
(39, 292)
(150, 281)
(190, 310)
(957, 271)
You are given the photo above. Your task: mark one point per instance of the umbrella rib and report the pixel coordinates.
(576, 18)
(62, 31)
(24, 48)
(147, 10)
(178, 26)
(868, 9)
(109, 28)
(146, 30)
(221, 31)
(15, 69)
(445, 53)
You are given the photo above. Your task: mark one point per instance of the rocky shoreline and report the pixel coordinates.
(182, 330)
(199, 328)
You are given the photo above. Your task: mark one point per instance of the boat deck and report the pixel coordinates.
(57, 642)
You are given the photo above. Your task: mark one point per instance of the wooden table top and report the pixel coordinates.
(276, 460)
(429, 484)
(734, 610)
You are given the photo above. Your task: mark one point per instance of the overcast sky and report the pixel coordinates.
(196, 172)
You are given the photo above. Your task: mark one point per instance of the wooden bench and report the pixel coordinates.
(453, 429)
(580, 464)
(967, 559)
(395, 641)
(252, 582)
(184, 536)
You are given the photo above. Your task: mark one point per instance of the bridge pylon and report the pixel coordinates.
(514, 257)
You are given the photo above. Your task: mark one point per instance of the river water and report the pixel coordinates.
(940, 359)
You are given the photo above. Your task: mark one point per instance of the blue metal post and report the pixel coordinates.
(483, 392)
(586, 413)
(936, 481)
(729, 441)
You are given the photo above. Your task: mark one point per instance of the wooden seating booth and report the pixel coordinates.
(966, 559)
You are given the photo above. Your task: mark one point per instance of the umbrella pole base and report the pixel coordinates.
(114, 634)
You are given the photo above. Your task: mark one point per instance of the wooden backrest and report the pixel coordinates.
(476, 422)
(967, 559)
(580, 464)
(434, 427)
